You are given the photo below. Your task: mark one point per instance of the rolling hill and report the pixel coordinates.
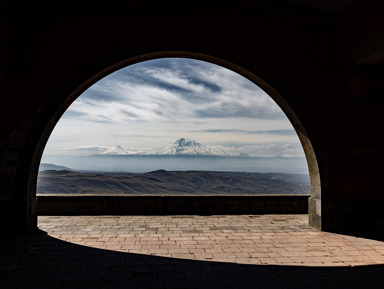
(163, 182)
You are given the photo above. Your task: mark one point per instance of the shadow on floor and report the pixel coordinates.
(40, 261)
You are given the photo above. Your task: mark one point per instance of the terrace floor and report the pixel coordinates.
(231, 251)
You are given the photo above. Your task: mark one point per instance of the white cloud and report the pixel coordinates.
(272, 150)
(163, 100)
(157, 100)
(90, 148)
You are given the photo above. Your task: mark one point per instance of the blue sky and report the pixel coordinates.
(153, 103)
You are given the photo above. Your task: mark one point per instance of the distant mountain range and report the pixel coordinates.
(182, 146)
(52, 167)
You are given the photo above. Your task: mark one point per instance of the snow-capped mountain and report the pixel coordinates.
(115, 150)
(182, 146)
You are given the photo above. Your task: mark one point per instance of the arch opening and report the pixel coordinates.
(305, 142)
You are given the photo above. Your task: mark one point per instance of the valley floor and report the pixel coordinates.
(163, 182)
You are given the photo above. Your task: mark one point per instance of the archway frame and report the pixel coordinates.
(258, 75)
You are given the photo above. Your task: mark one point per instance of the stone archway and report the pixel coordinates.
(57, 108)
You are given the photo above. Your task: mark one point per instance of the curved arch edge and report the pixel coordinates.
(314, 202)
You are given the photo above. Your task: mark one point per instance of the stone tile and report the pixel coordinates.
(248, 239)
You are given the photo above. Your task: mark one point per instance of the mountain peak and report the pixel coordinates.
(115, 150)
(185, 142)
(185, 146)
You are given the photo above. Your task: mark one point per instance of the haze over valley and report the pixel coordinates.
(182, 154)
(228, 174)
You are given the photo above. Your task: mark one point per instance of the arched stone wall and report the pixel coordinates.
(57, 70)
(54, 114)
(314, 60)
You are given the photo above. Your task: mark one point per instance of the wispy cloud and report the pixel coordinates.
(153, 103)
(283, 132)
(271, 150)
(162, 91)
(90, 148)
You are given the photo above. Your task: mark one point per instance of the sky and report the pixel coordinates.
(155, 102)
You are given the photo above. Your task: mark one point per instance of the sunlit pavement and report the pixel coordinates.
(261, 239)
(247, 251)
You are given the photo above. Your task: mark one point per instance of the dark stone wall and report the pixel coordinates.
(307, 60)
(171, 205)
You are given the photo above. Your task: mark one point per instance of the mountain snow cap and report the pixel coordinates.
(114, 150)
(185, 142)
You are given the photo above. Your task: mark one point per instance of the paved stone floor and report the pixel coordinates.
(247, 251)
